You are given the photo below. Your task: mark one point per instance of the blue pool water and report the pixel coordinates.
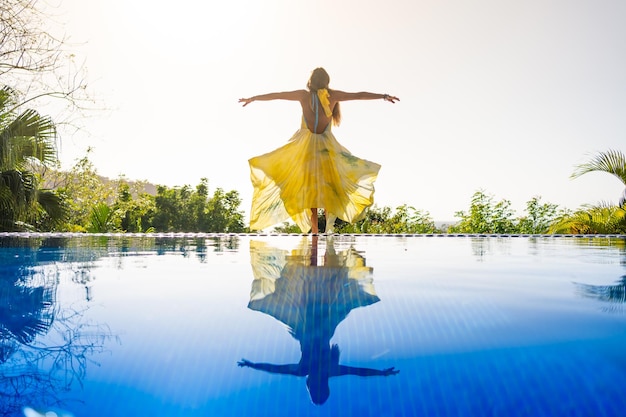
(284, 326)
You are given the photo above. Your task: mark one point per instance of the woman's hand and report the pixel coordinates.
(387, 97)
(246, 101)
(244, 362)
(390, 371)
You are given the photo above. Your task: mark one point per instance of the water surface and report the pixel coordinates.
(285, 325)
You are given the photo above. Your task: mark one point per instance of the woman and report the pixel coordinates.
(312, 170)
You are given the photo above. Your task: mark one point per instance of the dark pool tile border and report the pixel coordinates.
(403, 235)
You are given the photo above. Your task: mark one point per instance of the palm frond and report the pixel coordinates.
(26, 139)
(29, 135)
(101, 219)
(592, 220)
(18, 192)
(7, 96)
(611, 161)
(20, 185)
(7, 203)
(53, 205)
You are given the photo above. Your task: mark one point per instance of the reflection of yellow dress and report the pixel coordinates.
(311, 170)
(311, 300)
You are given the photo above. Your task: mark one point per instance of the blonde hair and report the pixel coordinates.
(320, 79)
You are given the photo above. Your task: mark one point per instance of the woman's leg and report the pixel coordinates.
(314, 228)
(330, 223)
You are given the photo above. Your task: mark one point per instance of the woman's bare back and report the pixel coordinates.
(309, 113)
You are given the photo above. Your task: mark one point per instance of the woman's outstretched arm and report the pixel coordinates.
(285, 95)
(350, 370)
(338, 95)
(289, 369)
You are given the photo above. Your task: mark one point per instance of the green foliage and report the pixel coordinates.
(222, 212)
(592, 220)
(288, 227)
(133, 214)
(404, 219)
(291, 227)
(485, 217)
(183, 209)
(82, 190)
(101, 219)
(167, 202)
(539, 217)
(85, 192)
(601, 219)
(51, 211)
(489, 217)
(99, 205)
(27, 140)
(612, 162)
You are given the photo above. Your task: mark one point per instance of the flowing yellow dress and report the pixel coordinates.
(311, 171)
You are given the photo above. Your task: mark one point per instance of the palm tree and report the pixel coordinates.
(611, 161)
(26, 139)
(592, 220)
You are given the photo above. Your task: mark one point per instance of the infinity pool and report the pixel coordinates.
(252, 325)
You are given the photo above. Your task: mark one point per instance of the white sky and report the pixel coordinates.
(497, 95)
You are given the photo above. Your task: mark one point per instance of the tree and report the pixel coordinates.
(485, 217)
(134, 208)
(603, 218)
(404, 219)
(33, 59)
(82, 190)
(540, 217)
(222, 213)
(183, 209)
(612, 162)
(169, 211)
(26, 139)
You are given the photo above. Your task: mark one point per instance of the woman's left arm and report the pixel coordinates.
(363, 95)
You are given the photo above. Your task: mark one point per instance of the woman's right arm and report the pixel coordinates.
(338, 95)
(296, 95)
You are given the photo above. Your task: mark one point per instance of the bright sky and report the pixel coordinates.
(497, 95)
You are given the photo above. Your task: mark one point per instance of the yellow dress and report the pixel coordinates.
(311, 171)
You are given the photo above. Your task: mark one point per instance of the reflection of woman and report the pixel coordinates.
(313, 170)
(311, 301)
